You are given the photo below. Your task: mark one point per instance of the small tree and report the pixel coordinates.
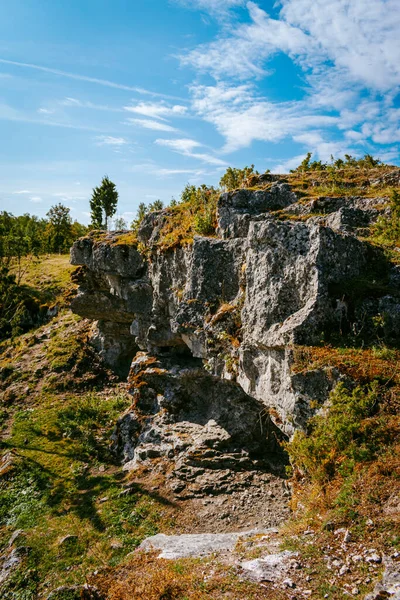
(156, 205)
(96, 210)
(59, 228)
(103, 203)
(109, 198)
(140, 214)
(234, 178)
(120, 223)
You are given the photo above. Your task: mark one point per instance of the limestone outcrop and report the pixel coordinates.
(213, 325)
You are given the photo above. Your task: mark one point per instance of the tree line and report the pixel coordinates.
(28, 234)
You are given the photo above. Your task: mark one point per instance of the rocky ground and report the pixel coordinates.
(255, 500)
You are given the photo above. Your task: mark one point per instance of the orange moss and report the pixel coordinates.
(362, 365)
(221, 313)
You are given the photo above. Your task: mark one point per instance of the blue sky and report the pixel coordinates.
(158, 93)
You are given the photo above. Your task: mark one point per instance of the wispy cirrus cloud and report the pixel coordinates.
(162, 172)
(359, 39)
(109, 140)
(157, 110)
(242, 117)
(152, 124)
(78, 77)
(76, 103)
(186, 147)
(242, 51)
(9, 113)
(46, 111)
(215, 7)
(168, 172)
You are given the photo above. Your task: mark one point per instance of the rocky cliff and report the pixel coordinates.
(213, 327)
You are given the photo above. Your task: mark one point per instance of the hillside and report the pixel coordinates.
(230, 367)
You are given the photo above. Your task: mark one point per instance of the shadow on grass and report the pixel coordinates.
(79, 493)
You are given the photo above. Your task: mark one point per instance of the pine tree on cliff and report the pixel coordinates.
(103, 203)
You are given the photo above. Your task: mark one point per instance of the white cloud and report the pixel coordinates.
(46, 111)
(9, 113)
(108, 140)
(243, 51)
(359, 37)
(74, 102)
(36, 199)
(69, 197)
(23, 192)
(241, 117)
(287, 165)
(349, 55)
(178, 172)
(186, 146)
(157, 110)
(155, 169)
(151, 124)
(183, 145)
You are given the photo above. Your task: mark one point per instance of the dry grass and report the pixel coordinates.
(343, 182)
(362, 365)
(145, 577)
(179, 227)
(221, 313)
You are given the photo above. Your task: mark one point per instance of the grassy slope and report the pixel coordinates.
(47, 277)
(58, 408)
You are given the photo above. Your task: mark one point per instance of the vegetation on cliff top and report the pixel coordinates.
(195, 212)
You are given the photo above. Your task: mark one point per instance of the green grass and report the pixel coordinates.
(47, 277)
(65, 481)
(58, 408)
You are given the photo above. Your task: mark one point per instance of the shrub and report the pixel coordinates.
(19, 310)
(234, 178)
(366, 162)
(339, 436)
(387, 229)
(204, 223)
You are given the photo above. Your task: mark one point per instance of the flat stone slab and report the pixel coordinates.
(270, 568)
(194, 545)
